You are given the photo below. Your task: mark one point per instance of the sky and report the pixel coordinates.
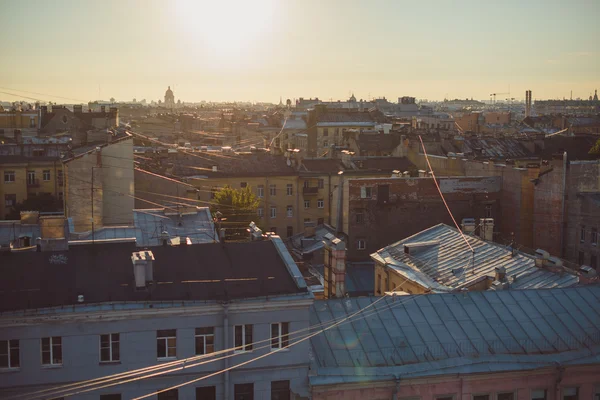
(261, 50)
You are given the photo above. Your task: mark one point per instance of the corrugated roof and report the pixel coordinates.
(427, 334)
(451, 265)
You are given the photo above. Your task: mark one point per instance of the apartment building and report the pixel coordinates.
(107, 308)
(19, 120)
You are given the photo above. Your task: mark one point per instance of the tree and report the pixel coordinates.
(43, 203)
(237, 209)
(595, 150)
(112, 99)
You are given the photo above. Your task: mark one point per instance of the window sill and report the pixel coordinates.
(281, 349)
(9, 370)
(109, 362)
(241, 351)
(51, 366)
(161, 359)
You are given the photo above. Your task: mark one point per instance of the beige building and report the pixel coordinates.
(100, 185)
(25, 121)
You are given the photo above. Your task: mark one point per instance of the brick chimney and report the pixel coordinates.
(143, 267)
(335, 261)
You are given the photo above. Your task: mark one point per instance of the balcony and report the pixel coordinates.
(33, 183)
(310, 191)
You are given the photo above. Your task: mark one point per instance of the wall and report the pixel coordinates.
(414, 205)
(138, 349)
(549, 205)
(118, 183)
(152, 190)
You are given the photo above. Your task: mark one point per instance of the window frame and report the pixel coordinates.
(514, 394)
(577, 392)
(260, 191)
(277, 392)
(582, 234)
(321, 183)
(278, 342)
(110, 348)
(245, 347)
(538, 398)
(359, 218)
(489, 396)
(273, 212)
(204, 335)
(306, 204)
(12, 175)
(289, 189)
(366, 192)
(51, 350)
(358, 244)
(30, 177)
(272, 189)
(46, 173)
(166, 338)
(289, 211)
(594, 237)
(320, 203)
(9, 356)
(243, 185)
(260, 212)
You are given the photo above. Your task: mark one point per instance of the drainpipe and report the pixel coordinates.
(226, 345)
(330, 197)
(559, 373)
(562, 214)
(339, 226)
(396, 389)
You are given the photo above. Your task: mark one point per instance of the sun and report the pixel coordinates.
(226, 26)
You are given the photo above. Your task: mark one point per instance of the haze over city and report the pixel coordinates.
(264, 49)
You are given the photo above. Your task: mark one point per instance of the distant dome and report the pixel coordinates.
(169, 92)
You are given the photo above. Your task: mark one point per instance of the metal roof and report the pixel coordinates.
(451, 265)
(431, 334)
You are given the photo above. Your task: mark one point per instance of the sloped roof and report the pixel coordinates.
(450, 264)
(327, 165)
(378, 141)
(496, 148)
(425, 335)
(231, 164)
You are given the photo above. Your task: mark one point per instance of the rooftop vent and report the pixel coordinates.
(468, 225)
(417, 247)
(143, 267)
(214, 168)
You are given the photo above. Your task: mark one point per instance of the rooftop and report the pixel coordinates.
(495, 148)
(103, 273)
(12, 159)
(446, 262)
(435, 334)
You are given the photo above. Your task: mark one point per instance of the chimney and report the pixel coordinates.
(102, 109)
(486, 229)
(310, 228)
(500, 274)
(422, 173)
(468, 225)
(214, 168)
(540, 257)
(587, 275)
(77, 109)
(98, 156)
(143, 267)
(335, 259)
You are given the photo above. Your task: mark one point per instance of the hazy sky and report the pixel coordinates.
(261, 49)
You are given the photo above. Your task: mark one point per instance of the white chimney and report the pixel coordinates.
(335, 260)
(214, 168)
(486, 229)
(143, 267)
(468, 225)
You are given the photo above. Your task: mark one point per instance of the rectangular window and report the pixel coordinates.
(116, 396)
(243, 184)
(506, 396)
(445, 397)
(10, 200)
(243, 391)
(30, 177)
(260, 212)
(46, 175)
(260, 191)
(361, 244)
(9, 353)
(273, 212)
(205, 340)
(488, 211)
(594, 237)
(206, 393)
(306, 204)
(581, 258)
(570, 393)
(593, 261)
(9, 176)
(290, 231)
(320, 221)
(280, 390)
(273, 190)
(325, 143)
(242, 335)
(365, 192)
(320, 203)
(289, 211)
(481, 397)
(321, 183)
(379, 283)
(360, 218)
(325, 132)
(109, 348)
(582, 234)
(538, 394)
(59, 177)
(172, 394)
(289, 189)
(32, 123)
(279, 335)
(52, 350)
(166, 343)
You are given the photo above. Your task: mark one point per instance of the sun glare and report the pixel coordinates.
(226, 27)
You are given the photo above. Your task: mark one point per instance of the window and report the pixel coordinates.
(361, 244)
(260, 212)
(445, 397)
(60, 196)
(290, 231)
(166, 343)
(243, 391)
(243, 184)
(387, 285)
(306, 204)
(325, 143)
(110, 397)
(32, 123)
(481, 397)
(320, 203)
(337, 131)
(289, 211)
(365, 192)
(30, 177)
(582, 234)
(206, 393)
(10, 200)
(581, 257)
(594, 237)
(205, 340)
(59, 177)
(279, 335)
(593, 261)
(280, 390)
(242, 335)
(289, 189)
(260, 191)
(321, 183)
(9, 176)
(325, 132)
(273, 190)
(320, 221)
(571, 393)
(109, 348)
(306, 219)
(46, 175)
(172, 394)
(52, 350)
(9, 354)
(360, 218)
(538, 394)
(506, 396)
(273, 212)
(306, 184)
(379, 283)
(488, 211)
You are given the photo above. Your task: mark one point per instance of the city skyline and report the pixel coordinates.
(268, 49)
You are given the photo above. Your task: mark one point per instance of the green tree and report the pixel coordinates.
(595, 150)
(42, 203)
(235, 208)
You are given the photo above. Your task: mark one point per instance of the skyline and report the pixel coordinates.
(269, 48)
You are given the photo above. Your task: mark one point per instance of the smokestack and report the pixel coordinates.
(527, 103)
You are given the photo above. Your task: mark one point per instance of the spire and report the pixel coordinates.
(596, 95)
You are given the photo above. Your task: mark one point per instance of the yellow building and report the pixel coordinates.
(23, 177)
(27, 121)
